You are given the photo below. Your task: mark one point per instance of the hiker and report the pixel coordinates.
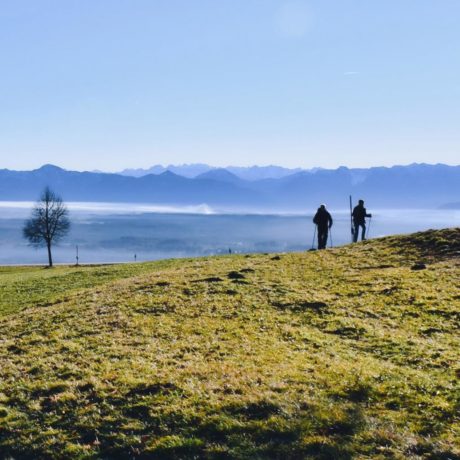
(323, 221)
(359, 220)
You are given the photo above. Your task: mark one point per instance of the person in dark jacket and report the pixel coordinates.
(359, 220)
(323, 221)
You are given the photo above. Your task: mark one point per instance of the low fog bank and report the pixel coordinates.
(116, 232)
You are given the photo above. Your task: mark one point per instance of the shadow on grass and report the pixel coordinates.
(260, 429)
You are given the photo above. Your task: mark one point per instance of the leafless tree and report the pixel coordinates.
(49, 222)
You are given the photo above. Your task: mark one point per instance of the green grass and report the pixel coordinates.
(23, 287)
(340, 354)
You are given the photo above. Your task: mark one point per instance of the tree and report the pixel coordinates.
(49, 222)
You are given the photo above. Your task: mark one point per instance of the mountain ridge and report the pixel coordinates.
(194, 170)
(412, 186)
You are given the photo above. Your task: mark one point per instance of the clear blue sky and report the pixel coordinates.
(109, 84)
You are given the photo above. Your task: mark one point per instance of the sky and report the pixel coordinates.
(114, 84)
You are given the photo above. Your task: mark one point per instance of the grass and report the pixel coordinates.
(339, 354)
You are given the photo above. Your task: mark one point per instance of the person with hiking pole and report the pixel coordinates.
(323, 222)
(359, 220)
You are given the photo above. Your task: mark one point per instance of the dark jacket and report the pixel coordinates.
(359, 215)
(322, 218)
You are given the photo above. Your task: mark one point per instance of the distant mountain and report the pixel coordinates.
(450, 206)
(186, 170)
(222, 175)
(251, 173)
(413, 186)
(416, 185)
(166, 188)
(254, 173)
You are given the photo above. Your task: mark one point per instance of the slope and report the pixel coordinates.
(345, 353)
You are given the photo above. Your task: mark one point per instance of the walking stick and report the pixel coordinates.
(351, 221)
(313, 242)
(330, 238)
(369, 227)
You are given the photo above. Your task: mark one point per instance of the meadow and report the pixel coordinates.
(348, 353)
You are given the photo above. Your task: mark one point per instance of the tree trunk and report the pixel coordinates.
(50, 258)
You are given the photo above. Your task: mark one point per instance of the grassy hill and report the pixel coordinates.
(346, 353)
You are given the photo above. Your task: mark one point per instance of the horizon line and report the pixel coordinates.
(296, 168)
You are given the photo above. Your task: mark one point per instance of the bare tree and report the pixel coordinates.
(49, 222)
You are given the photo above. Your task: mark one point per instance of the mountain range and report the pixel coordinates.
(193, 170)
(413, 186)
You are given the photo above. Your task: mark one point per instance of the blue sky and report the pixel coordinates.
(109, 84)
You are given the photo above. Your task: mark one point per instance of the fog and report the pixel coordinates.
(116, 232)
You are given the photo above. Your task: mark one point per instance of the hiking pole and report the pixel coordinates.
(351, 222)
(330, 238)
(369, 227)
(313, 242)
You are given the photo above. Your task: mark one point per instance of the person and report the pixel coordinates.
(359, 220)
(323, 221)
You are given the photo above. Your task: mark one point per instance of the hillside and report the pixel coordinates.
(346, 353)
